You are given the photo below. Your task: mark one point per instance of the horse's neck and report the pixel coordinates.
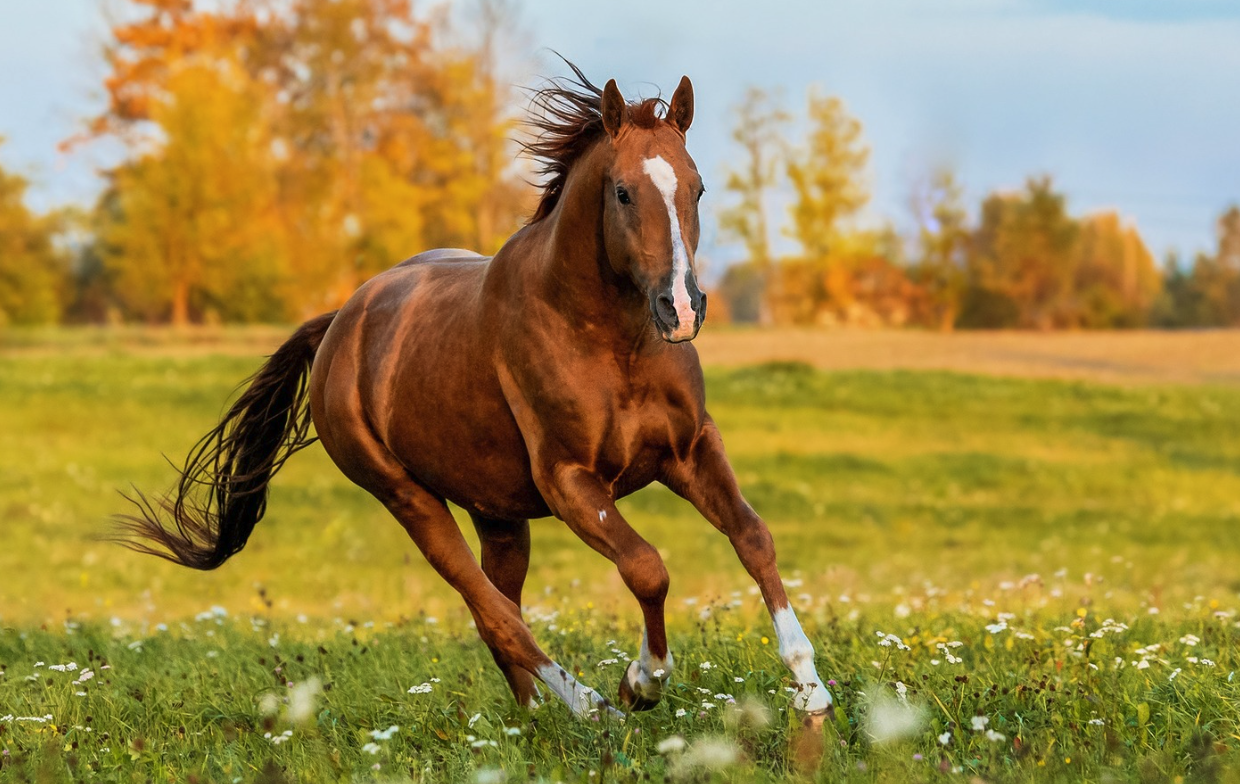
(576, 274)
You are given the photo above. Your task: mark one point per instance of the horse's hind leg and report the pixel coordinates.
(427, 521)
(505, 561)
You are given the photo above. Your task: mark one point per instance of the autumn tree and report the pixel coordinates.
(32, 269)
(942, 247)
(1022, 266)
(283, 152)
(828, 177)
(758, 136)
(1214, 286)
(1116, 279)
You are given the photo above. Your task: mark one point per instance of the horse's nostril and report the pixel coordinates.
(666, 309)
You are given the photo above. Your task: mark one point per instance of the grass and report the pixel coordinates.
(1013, 516)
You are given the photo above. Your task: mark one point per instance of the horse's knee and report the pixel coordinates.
(645, 575)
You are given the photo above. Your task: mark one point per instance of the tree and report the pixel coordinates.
(827, 176)
(32, 269)
(1216, 278)
(1117, 281)
(759, 121)
(195, 228)
(1023, 263)
(942, 247)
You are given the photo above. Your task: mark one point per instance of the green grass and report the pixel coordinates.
(918, 504)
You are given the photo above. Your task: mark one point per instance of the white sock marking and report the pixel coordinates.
(651, 673)
(797, 652)
(582, 700)
(664, 178)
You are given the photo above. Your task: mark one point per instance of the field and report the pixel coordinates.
(1076, 536)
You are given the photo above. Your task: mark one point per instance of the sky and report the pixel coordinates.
(1131, 105)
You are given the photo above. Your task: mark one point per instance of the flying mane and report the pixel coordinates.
(567, 119)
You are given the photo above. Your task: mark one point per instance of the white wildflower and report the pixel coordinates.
(891, 719)
(671, 745)
(980, 722)
(302, 699)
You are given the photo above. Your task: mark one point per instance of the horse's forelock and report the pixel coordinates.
(567, 120)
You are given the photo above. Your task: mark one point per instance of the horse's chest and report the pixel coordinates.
(636, 442)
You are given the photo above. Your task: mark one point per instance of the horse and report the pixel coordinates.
(549, 380)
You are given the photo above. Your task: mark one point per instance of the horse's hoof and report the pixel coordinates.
(816, 719)
(629, 697)
(807, 745)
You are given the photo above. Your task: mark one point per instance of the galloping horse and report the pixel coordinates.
(551, 379)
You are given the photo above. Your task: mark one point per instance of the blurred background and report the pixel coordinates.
(993, 249)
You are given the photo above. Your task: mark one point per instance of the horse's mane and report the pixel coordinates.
(567, 120)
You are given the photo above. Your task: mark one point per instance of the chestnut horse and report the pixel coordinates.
(551, 379)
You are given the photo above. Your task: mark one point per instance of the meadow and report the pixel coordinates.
(1009, 579)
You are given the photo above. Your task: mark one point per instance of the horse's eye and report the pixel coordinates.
(701, 193)
(623, 195)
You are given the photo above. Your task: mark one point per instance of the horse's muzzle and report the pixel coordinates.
(678, 325)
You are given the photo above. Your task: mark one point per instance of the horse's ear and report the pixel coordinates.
(680, 110)
(615, 111)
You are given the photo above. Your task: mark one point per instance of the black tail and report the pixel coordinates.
(208, 516)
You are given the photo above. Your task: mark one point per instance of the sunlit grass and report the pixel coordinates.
(926, 505)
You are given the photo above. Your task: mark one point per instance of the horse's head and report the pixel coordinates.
(650, 198)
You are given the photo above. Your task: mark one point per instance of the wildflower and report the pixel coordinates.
(490, 776)
(1190, 639)
(707, 754)
(980, 722)
(750, 712)
(887, 640)
(945, 738)
(422, 688)
(995, 628)
(384, 734)
(889, 719)
(671, 745)
(680, 713)
(512, 731)
(301, 700)
(85, 676)
(372, 748)
(606, 662)
(994, 737)
(1100, 722)
(738, 679)
(474, 719)
(706, 666)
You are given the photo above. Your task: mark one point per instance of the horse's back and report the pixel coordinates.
(409, 361)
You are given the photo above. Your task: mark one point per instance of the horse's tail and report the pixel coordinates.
(208, 515)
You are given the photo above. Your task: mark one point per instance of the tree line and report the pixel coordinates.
(1024, 262)
(280, 152)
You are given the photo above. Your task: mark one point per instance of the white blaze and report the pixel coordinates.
(797, 652)
(663, 176)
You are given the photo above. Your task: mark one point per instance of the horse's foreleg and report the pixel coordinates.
(579, 499)
(705, 479)
(505, 561)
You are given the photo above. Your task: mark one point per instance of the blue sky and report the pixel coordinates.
(1129, 104)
